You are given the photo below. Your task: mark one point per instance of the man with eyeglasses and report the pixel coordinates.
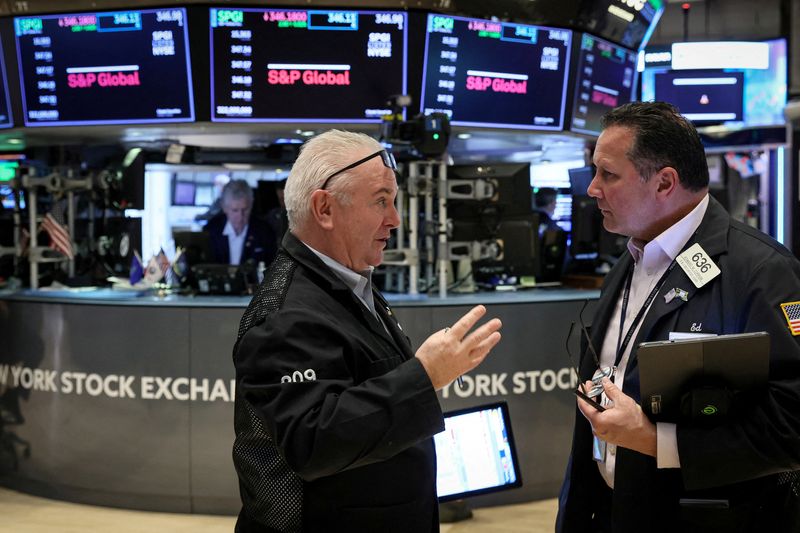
(625, 473)
(334, 412)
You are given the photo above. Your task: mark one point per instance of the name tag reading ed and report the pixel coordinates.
(698, 265)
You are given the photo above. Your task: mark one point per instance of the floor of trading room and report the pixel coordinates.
(28, 514)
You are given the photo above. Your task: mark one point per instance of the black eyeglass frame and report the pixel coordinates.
(601, 372)
(386, 157)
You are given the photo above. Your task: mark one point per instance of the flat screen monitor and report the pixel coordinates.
(495, 74)
(7, 197)
(507, 185)
(627, 22)
(204, 194)
(130, 191)
(580, 178)
(704, 97)
(6, 121)
(605, 78)
(728, 95)
(9, 166)
(195, 244)
(512, 246)
(475, 454)
(586, 224)
(116, 67)
(277, 65)
(589, 240)
(183, 192)
(556, 175)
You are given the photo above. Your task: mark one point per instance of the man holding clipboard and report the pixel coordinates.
(691, 270)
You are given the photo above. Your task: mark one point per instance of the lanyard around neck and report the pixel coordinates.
(623, 344)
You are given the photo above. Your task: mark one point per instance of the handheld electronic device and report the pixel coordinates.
(475, 453)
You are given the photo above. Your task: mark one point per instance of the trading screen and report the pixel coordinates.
(306, 65)
(474, 453)
(5, 103)
(105, 68)
(495, 74)
(606, 78)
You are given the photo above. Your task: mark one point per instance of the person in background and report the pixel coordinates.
(235, 235)
(334, 411)
(544, 201)
(690, 269)
(552, 237)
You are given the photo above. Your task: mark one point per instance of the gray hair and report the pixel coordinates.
(236, 189)
(319, 158)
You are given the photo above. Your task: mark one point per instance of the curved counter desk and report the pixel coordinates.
(126, 400)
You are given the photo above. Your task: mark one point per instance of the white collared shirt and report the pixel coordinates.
(650, 263)
(358, 282)
(235, 242)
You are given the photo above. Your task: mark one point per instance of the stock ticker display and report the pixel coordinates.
(105, 68)
(606, 78)
(305, 65)
(496, 74)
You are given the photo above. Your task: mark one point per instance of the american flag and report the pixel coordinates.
(153, 273)
(59, 237)
(163, 262)
(791, 310)
(166, 271)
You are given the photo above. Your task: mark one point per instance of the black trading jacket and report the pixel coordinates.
(742, 460)
(334, 416)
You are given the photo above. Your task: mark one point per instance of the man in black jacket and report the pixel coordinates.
(334, 412)
(625, 473)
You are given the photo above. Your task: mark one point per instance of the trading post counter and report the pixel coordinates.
(126, 400)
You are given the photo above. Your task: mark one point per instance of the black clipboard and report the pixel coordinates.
(670, 369)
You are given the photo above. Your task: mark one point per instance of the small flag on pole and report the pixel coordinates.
(164, 265)
(180, 265)
(153, 273)
(137, 269)
(59, 237)
(163, 261)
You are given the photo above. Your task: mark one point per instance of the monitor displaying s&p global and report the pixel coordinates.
(495, 74)
(605, 78)
(299, 65)
(116, 67)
